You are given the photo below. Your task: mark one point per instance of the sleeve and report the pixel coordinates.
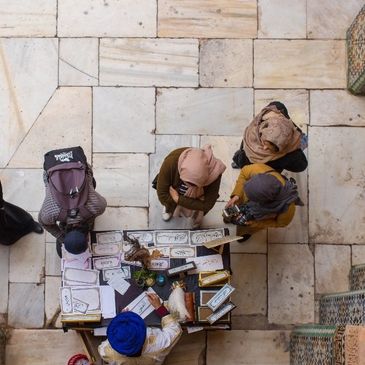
(53, 229)
(282, 220)
(211, 195)
(1, 196)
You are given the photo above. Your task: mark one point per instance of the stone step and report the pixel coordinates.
(342, 308)
(357, 277)
(327, 345)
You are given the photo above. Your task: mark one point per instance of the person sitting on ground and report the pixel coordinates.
(70, 216)
(130, 342)
(188, 183)
(272, 138)
(266, 198)
(15, 222)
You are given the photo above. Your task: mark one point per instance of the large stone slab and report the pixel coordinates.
(124, 119)
(27, 259)
(331, 18)
(4, 278)
(358, 254)
(78, 61)
(24, 188)
(28, 78)
(256, 244)
(300, 64)
(112, 18)
(282, 19)
(207, 18)
(203, 111)
(248, 347)
(37, 347)
(52, 301)
(336, 199)
(27, 313)
(149, 62)
(189, 350)
(36, 18)
(337, 107)
(122, 178)
(65, 121)
(122, 217)
(291, 284)
(226, 63)
(249, 274)
(53, 262)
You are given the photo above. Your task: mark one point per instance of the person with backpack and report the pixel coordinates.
(71, 203)
(273, 139)
(188, 183)
(15, 222)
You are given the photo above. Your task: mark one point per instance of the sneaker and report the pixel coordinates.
(166, 216)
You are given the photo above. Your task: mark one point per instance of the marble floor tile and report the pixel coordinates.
(226, 63)
(336, 107)
(299, 64)
(28, 78)
(282, 19)
(4, 278)
(27, 259)
(53, 262)
(26, 305)
(65, 121)
(24, 188)
(296, 101)
(189, 350)
(124, 119)
(331, 18)
(122, 179)
(112, 18)
(149, 62)
(211, 111)
(336, 185)
(248, 347)
(249, 273)
(52, 301)
(207, 18)
(358, 254)
(122, 218)
(38, 347)
(22, 18)
(332, 267)
(256, 244)
(224, 148)
(78, 61)
(291, 284)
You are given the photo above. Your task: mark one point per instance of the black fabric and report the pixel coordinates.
(154, 182)
(294, 161)
(281, 107)
(64, 155)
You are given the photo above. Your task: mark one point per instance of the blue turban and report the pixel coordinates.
(127, 333)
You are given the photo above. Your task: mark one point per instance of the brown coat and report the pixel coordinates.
(169, 176)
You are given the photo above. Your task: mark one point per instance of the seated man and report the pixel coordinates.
(71, 203)
(131, 342)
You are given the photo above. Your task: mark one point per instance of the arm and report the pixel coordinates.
(211, 194)
(164, 181)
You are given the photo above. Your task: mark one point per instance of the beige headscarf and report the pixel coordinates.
(198, 166)
(272, 126)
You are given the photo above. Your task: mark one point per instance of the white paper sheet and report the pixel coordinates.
(206, 263)
(100, 331)
(141, 305)
(84, 277)
(107, 296)
(118, 283)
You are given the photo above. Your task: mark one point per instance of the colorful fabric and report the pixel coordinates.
(357, 278)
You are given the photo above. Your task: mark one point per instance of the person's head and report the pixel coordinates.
(262, 188)
(127, 333)
(75, 242)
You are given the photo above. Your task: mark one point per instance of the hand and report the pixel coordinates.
(248, 223)
(232, 201)
(154, 299)
(174, 194)
(126, 309)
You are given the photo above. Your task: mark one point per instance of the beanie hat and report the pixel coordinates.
(75, 242)
(127, 333)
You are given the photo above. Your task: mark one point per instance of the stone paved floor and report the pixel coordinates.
(129, 80)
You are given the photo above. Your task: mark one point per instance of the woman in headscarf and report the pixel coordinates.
(266, 198)
(272, 138)
(130, 342)
(188, 183)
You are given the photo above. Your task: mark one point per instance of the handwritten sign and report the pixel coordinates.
(109, 237)
(66, 300)
(222, 295)
(145, 238)
(89, 295)
(221, 312)
(118, 283)
(141, 304)
(206, 263)
(124, 270)
(160, 264)
(81, 276)
(197, 238)
(182, 252)
(79, 306)
(105, 249)
(106, 262)
(172, 237)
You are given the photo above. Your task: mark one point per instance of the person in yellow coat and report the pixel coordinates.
(265, 198)
(130, 342)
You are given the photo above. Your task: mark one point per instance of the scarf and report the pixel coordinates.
(268, 197)
(270, 125)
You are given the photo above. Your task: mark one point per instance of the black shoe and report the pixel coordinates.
(244, 238)
(59, 248)
(37, 228)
